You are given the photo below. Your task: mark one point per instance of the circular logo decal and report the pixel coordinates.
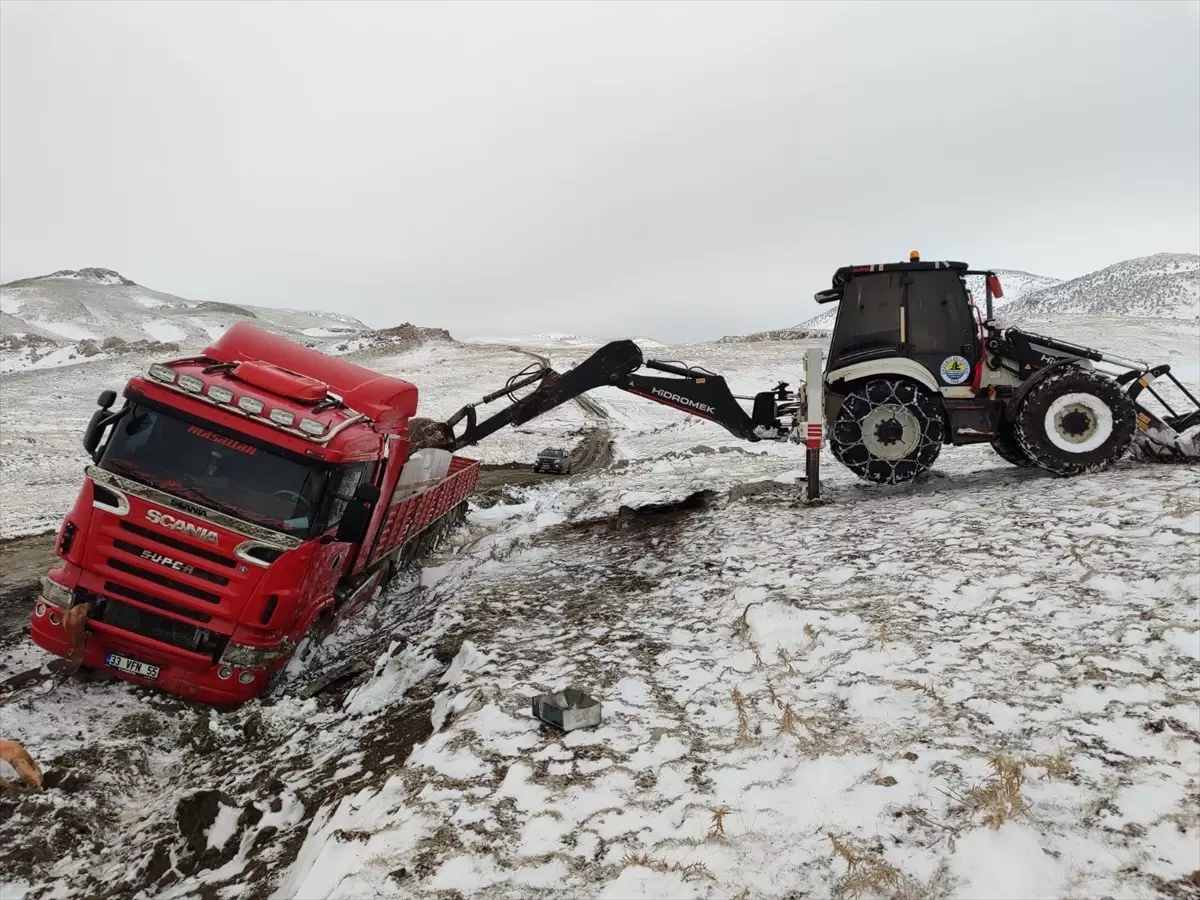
(955, 369)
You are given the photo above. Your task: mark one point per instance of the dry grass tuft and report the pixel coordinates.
(786, 660)
(771, 695)
(1056, 766)
(789, 720)
(813, 635)
(1000, 796)
(866, 873)
(743, 894)
(717, 828)
(689, 872)
(757, 658)
(883, 634)
(739, 701)
(910, 684)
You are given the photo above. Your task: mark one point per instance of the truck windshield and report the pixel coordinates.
(215, 469)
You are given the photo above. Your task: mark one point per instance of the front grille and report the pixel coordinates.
(149, 556)
(122, 566)
(160, 628)
(178, 545)
(121, 590)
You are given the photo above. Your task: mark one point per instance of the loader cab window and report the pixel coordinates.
(940, 320)
(868, 322)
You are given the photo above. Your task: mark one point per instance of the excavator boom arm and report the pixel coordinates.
(692, 390)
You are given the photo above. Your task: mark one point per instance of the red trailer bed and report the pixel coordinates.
(414, 507)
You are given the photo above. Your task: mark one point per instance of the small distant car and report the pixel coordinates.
(553, 459)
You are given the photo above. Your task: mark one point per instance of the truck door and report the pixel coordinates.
(333, 558)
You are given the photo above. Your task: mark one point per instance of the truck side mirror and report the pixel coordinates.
(366, 493)
(352, 527)
(99, 423)
(94, 431)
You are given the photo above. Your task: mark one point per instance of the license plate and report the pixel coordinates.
(133, 666)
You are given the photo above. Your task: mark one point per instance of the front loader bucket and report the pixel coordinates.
(1174, 437)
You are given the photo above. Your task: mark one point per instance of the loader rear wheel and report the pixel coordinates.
(888, 431)
(1074, 421)
(1009, 450)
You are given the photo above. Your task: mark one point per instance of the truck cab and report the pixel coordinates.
(237, 502)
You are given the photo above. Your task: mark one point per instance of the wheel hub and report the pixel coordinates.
(890, 431)
(1076, 423)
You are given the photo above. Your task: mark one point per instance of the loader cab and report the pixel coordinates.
(918, 311)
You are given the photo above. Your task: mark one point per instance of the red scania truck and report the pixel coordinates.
(240, 501)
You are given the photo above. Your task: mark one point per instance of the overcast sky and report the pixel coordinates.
(675, 170)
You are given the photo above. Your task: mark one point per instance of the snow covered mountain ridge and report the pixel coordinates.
(1162, 286)
(1165, 285)
(71, 315)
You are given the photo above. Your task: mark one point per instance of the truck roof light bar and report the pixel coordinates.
(252, 408)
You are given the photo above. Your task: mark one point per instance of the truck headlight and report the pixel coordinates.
(191, 383)
(312, 426)
(220, 394)
(246, 657)
(282, 417)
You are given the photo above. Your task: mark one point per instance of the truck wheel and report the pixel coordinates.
(1009, 450)
(1074, 421)
(888, 431)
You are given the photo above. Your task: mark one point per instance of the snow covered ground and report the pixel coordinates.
(984, 684)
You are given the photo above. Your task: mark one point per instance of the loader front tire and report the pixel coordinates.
(888, 430)
(1074, 421)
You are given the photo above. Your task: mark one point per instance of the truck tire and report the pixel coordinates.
(1009, 450)
(888, 430)
(1074, 421)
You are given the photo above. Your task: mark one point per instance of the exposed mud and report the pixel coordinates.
(593, 453)
(23, 560)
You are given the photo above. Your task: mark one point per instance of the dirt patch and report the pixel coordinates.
(592, 454)
(23, 561)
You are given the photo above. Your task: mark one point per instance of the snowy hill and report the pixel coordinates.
(71, 315)
(101, 303)
(1165, 286)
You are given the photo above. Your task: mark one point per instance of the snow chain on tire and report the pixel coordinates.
(1074, 421)
(867, 424)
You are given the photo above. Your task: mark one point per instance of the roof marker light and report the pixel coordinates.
(252, 405)
(220, 394)
(159, 372)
